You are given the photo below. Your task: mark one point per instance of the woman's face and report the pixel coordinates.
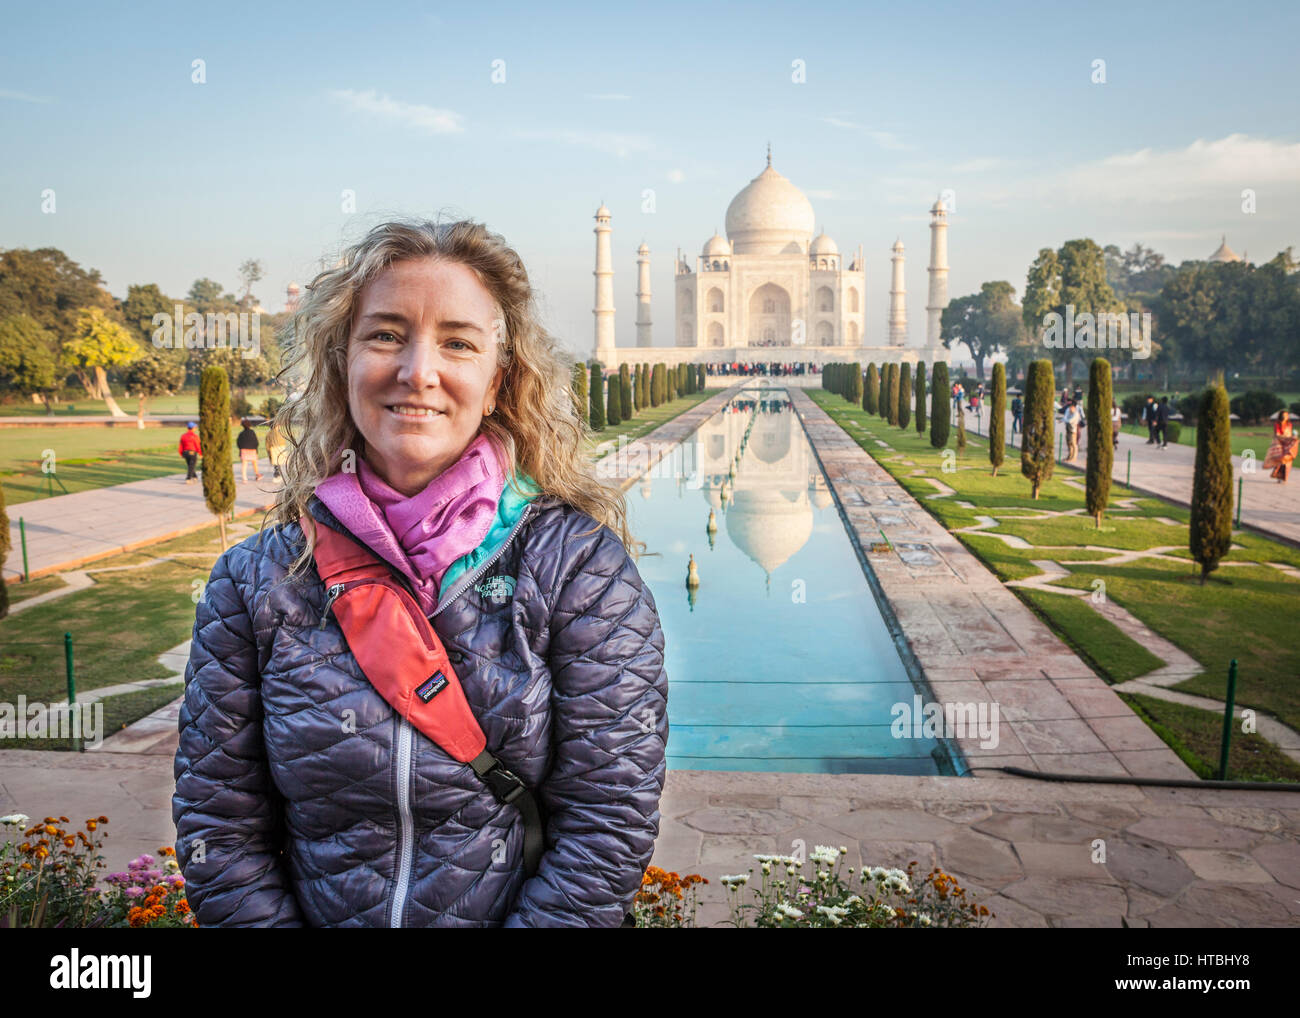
(424, 335)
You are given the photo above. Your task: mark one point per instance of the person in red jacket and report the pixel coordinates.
(191, 450)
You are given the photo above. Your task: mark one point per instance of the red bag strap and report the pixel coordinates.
(396, 646)
(402, 657)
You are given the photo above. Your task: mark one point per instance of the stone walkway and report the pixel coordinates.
(66, 531)
(970, 640)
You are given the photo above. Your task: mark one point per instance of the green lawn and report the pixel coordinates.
(643, 422)
(1112, 653)
(73, 405)
(1255, 437)
(1196, 736)
(90, 457)
(1229, 617)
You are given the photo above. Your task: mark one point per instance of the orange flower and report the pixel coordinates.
(167, 851)
(70, 841)
(103, 819)
(91, 825)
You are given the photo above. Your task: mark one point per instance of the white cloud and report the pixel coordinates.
(621, 145)
(427, 118)
(1221, 169)
(885, 139)
(6, 93)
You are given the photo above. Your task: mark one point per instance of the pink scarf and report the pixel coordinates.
(423, 534)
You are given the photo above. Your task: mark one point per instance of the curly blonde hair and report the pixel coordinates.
(535, 421)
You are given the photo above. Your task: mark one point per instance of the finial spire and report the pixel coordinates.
(769, 154)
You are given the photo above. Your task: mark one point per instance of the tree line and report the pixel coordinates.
(58, 323)
(1206, 317)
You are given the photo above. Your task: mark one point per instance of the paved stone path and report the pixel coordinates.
(66, 531)
(971, 640)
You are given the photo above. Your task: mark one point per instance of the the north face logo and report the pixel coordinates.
(497, 589)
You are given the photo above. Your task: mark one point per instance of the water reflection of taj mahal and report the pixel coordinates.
(766, 510)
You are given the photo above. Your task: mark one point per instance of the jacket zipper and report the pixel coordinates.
(405, 735)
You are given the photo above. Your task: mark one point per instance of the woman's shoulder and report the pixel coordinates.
(563, 540)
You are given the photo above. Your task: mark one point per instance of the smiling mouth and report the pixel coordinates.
(409, 413)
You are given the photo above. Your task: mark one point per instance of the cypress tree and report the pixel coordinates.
(670, 383)
(905, 396)
(940, 407)
(1037, 456)
(920, 397)
(656, 386)
(214, 437)
(1210, 533)
(892, 399)
(615, 401)
(871, 397)
(855, 390)
(961, 431)
(884, 391)
(596, 415)
(579, 389)
(701, 378)
(998, 419)
(625, 393)
(5, 543)
(1101, 450)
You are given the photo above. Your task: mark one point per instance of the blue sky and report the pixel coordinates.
(159, 179)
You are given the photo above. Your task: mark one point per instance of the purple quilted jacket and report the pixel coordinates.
(303, 799)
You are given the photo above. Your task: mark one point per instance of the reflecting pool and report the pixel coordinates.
(779, 660)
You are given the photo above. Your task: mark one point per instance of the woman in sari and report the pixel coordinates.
(1283, 449)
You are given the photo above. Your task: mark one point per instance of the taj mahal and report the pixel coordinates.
(770, 290)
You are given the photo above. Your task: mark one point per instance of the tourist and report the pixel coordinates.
(275, 447)
(1162, 422)
(1116, 419)
(191, 451)
(1282, 450)
(497, 587)
(1017, 414)
(1149, 415)
(1073, 422)
(247, 445)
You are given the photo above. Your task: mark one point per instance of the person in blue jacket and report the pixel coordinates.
(435, 429)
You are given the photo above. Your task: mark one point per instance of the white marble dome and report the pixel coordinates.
(823, 245)
(717, 246)
(770, 216)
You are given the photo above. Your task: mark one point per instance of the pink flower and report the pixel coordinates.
(134, 892)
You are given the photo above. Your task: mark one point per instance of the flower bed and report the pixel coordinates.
(49, 880)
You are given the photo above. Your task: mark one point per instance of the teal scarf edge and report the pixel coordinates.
(509, 508)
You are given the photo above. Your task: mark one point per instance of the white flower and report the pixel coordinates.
(17, 819)
(826, 854)
(735, 878)
(833, 912)
(789, 911)
(852, 899)
(924, 919)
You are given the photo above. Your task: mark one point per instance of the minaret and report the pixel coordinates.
(898, 300)
(643, 295)
(604, 309)
(938, 273)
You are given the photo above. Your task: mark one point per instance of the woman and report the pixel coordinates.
(246, 442)
(1282, 449)
(435, 429)
(1116, 419)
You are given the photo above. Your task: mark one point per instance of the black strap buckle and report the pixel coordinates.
(505, 784)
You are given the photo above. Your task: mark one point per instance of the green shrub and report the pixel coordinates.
(1037, 455)
(940, 407)
(1101, 450)
(1210, 532)
(1252, 407)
